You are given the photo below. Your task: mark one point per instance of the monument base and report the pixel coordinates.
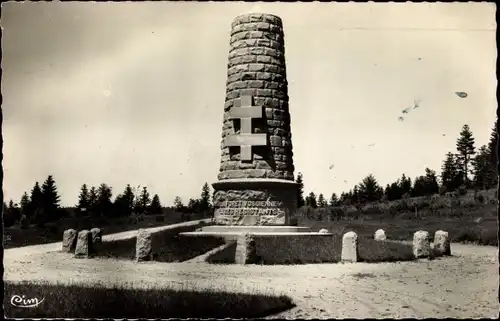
(255, 202)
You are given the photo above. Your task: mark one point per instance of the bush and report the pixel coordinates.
(83, 301)
(23, 222)
(442, 190)
(160, 218)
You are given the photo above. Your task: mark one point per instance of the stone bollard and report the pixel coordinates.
(323, 231)
(84, 247)
(421, 244)
(441, 243)
(69, 240)
(96, 235)
(246, 252)
(380, 235)
(143, 247)
(349, 247)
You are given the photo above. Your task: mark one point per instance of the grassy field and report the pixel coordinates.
(167, 248)
(79, 301)
(479, 225)
(52, 232)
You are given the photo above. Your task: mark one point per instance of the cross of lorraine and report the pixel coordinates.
(246, 138)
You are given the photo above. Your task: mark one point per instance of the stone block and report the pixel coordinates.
(96, 236)
(323, 231)
(144, 247)
(421, 244)
(69, 240)
(379, 235)
(349, 247)
(246, 251)
(84, 248)
(442, 243)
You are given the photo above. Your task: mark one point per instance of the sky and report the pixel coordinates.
(133, 93)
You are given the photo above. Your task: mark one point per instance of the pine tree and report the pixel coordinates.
(93, 201)
(405, 185)
(311, 200)
(492, 171)
(25, 205)
(321, 201)
(466, 150)
(103, 205)
(431, 183)
(155, 206)
(124, 203)
(480, 165)
(36, 204)
(369, 190)
(450, 175)
(50, 201)
(83, 199)
(143, 201)
(334, 200)
(178, 205)
(300, 190)
(205, 197)
(419, 186)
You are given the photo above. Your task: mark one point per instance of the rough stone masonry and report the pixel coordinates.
(256, 179)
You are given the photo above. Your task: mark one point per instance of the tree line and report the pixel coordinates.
(467, 168)
(43, 204)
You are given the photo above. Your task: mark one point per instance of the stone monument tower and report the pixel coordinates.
(256, 181)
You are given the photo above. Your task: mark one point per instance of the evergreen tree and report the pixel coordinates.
(83, 199)
(311, 200)
(12, 214)
(492, 171)
(431, 183)
(25, 205)
(93, 201)
(466, 150)
(334, 200)
(321, 201)
(300, 190)
(450, 175)
(205, 197)
(36, 204)
(103, 206)
(419, 187)
(155, 206)
(405, 185)
(369, 190)
(178, 205)
(143, 201)
(50, 199)
(124, 203)
(480, 165)
(393, 191)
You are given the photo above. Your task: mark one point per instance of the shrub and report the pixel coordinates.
(23, 222)
(442, 190)
(160, 218)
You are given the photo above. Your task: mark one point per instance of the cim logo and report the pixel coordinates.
(22, 302)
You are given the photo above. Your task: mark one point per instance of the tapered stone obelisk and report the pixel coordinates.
(256, 180)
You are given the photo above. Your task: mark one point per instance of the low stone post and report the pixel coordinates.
(246, 251)
(380, 235)
(84, 247)
(421, 244)
(144, 247)
(96, 235)
(69, 240)
(349, 247)
(441, 243)
(323, 231)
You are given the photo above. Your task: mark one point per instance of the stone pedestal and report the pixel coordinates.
(255, 202)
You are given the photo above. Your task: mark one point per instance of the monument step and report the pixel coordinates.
(252, 229)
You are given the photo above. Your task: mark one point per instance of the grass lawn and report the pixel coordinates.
(466, 228)
(79, 301)
(166, 247)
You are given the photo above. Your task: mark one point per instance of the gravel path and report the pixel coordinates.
(462, 286)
